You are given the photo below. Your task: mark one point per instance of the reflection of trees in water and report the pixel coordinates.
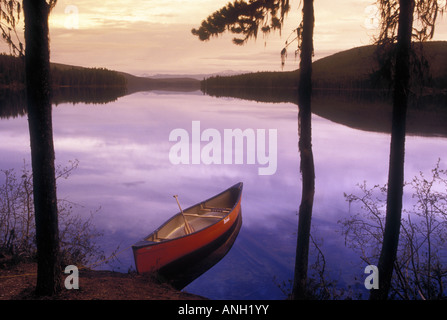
(13, 102)
(421, 266)
(89, 95)
(364, 110)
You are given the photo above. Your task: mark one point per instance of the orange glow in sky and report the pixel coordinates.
(146, 37)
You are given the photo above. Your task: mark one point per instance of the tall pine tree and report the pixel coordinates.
(38, 94)
(397, 32)
(246, 18)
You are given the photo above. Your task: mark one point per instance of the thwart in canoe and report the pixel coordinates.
(180, 254)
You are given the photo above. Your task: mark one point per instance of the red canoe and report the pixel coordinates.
(171, 247)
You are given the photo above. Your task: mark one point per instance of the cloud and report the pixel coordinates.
(128, 11)
(143, 36)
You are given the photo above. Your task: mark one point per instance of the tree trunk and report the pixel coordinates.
(38, 91)
(397, 152)
(305, 148)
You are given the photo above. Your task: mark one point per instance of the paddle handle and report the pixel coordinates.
(176, 198)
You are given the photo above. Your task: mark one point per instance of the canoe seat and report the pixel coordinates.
(202, 215)
(214, 209)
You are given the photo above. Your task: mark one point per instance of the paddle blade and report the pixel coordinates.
(188, 228)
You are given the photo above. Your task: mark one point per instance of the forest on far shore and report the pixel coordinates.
(12, 75)
(354, 69)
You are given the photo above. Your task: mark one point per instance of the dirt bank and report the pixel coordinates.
(17, 282)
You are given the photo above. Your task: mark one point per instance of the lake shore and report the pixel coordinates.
(17, 282)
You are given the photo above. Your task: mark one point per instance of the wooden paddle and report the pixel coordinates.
(188, 228)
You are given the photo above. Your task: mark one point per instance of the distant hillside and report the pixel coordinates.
(135, 84)
(353, 69)
(197, 76)
(67, 76)
(12, 75)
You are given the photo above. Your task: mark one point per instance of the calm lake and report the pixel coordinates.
(125, 169)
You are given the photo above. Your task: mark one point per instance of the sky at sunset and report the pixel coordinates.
(146, 37)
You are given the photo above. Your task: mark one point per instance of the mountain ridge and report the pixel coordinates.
(353, 69)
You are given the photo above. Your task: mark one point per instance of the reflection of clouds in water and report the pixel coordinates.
(14, 143)
(133, 183)
(255, 265)
(343, 158)
(123, 149)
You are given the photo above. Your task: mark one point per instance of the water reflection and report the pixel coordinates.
(364, 110)
(13, 102)
(123, 148)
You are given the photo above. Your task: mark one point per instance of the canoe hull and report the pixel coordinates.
(183, 271)
(169, 257)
